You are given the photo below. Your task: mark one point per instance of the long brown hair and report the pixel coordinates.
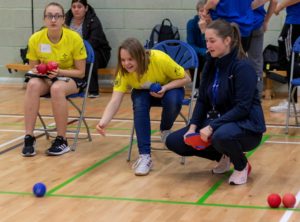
(225, 29)
(137, 52)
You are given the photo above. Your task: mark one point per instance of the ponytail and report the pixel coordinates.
(225, 29)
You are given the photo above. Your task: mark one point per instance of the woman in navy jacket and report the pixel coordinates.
(83, 19)
(228, 110)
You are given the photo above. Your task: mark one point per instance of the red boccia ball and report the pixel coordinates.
(52, 66)
(42, 68)
(289, 200)
(274, 200)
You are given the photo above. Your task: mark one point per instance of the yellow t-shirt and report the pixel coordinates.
(69, 48)
(162, 69)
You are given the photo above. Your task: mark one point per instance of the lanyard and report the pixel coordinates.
(215, 89)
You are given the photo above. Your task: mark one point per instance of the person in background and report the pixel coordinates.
(239, 12)
(255, 51)
(83, 19)
(289, 33)
(228, 111)
(196, 39)
(137, 69)
(65, 47)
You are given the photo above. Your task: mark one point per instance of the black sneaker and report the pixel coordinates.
(93, 95)
(59, 146)
(29, 146)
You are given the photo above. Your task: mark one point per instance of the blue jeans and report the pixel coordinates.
(142, 102)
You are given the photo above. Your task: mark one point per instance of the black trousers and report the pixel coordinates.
(228, 139)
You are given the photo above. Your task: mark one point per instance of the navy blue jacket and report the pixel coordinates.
(194, 37)
(93, 32)
(237, 99)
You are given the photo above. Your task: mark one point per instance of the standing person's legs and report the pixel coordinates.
(246, 43)
(255, 55)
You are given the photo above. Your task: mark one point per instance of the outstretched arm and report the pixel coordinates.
(109, 112)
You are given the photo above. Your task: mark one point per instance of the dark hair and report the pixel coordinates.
(84, 2)
(55, 4)
(225, 29)
(137, 52)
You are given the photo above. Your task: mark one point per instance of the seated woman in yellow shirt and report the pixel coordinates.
(66, 48)
(137, 69)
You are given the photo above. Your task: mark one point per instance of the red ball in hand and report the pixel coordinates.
(42, 68)
(274, 200)
(289, 200)
(52, 66)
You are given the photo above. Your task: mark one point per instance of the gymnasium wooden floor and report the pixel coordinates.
(96, 183)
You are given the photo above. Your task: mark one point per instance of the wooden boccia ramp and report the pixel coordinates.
(96, 183)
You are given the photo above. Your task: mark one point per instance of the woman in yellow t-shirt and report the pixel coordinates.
(137, 69)
(66, 48)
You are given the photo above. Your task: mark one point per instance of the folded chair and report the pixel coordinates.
(184, 55)
(80, 109)
(294, 83)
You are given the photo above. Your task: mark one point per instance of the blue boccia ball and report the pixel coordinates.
(39, 189)
(155, 87)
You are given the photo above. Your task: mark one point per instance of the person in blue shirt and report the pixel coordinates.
(196, 39)
(261, 20)
(239, 12)
(289, 33)
(228, 111)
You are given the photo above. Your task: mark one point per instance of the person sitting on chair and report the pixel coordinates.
(83, 19)
(138, 69)
(65, 47)
(196, 39)
(228, 112)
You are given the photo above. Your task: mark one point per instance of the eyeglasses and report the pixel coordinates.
(55, 17)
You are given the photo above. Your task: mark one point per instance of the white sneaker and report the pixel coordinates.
(164, 134)
(240, 177)
(143, 165)
(283, 107)
(223, 165)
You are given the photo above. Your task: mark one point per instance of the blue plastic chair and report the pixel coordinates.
(184, 55)
(294, 83)
(80, 109)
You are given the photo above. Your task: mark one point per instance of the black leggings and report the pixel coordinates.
(228, 139)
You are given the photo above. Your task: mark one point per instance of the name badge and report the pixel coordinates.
(45, 48)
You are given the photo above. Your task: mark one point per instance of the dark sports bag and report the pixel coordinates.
(163, 31)
(271, 57)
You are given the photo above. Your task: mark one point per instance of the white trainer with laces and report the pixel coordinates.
(143, 165)
(240, 177)
(223, 165)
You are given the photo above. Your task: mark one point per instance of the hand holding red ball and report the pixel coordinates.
(43, 68)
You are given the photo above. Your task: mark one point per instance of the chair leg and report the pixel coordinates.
(130, 144)
(44, 126)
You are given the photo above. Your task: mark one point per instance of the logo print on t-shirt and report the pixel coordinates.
(177, 71)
